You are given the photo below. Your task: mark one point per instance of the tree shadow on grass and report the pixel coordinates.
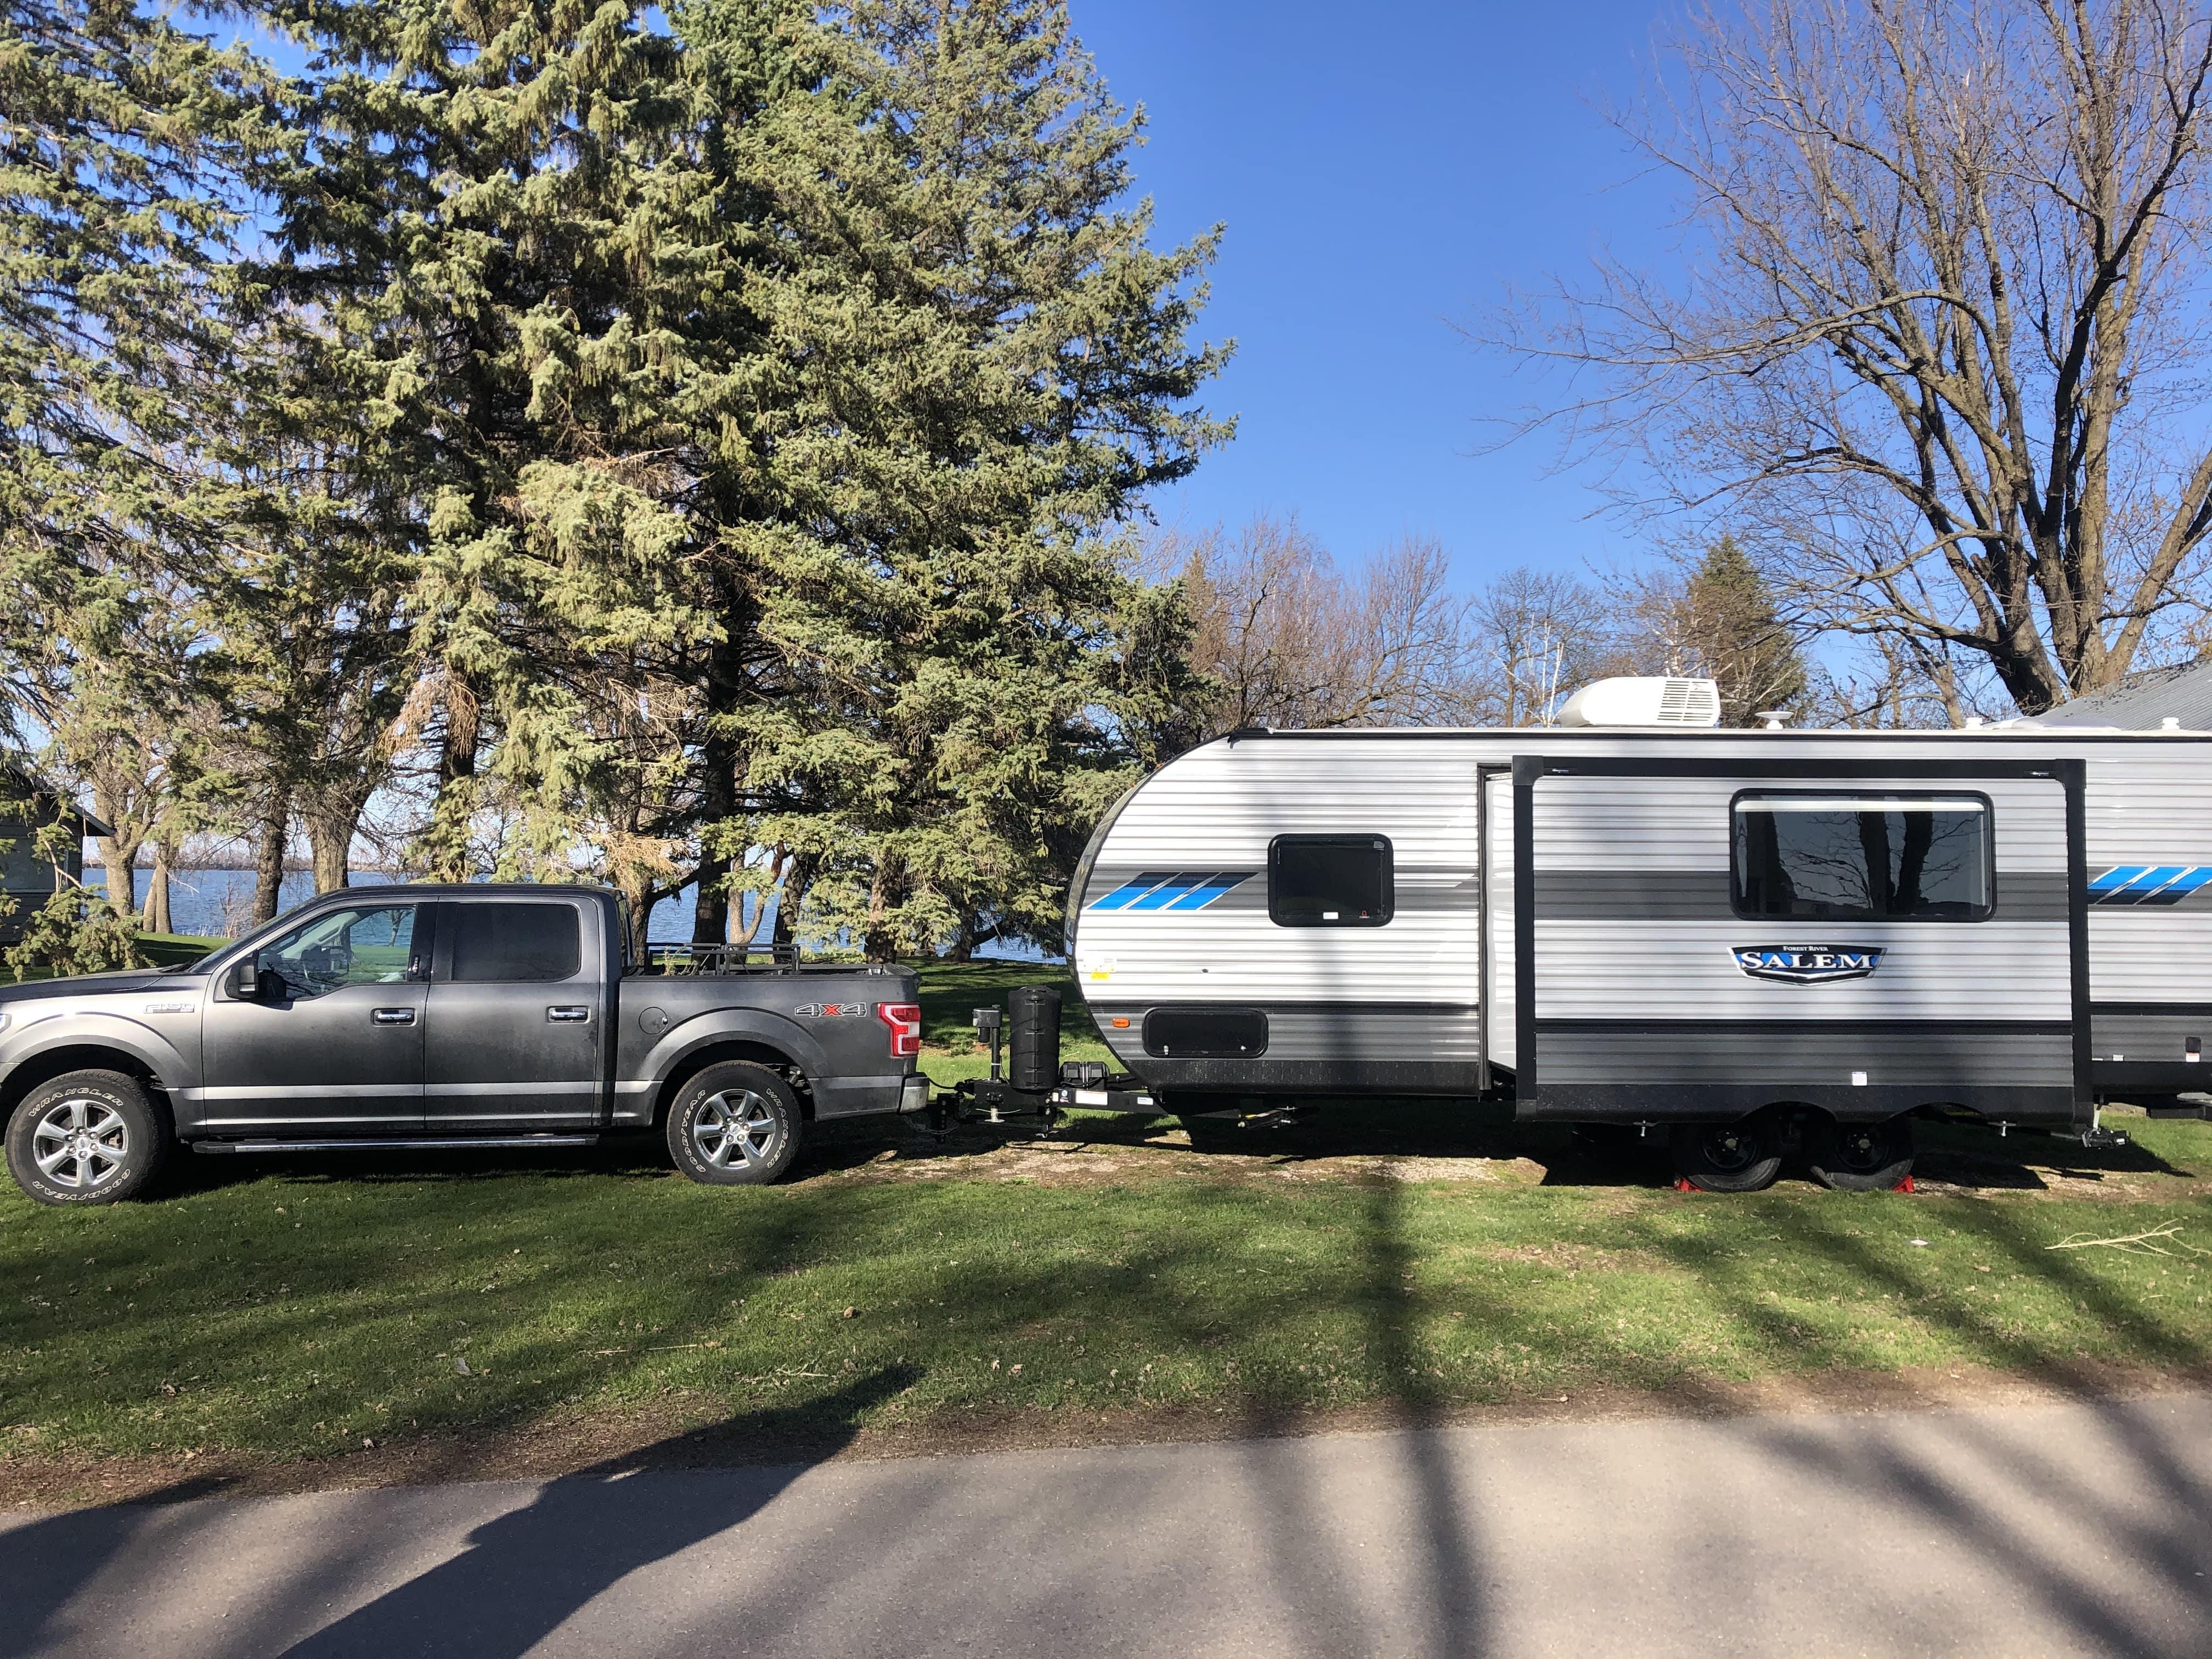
(2165, 1537)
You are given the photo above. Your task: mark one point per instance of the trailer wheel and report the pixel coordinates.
(1743, 1157)
(1862, 1157)
(735, 1124)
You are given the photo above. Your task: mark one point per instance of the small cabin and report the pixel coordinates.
(28, 804)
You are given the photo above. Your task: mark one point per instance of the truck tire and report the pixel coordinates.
(1861, 1158)
(1743, 1156)
(735, 1124)
(88, 1136)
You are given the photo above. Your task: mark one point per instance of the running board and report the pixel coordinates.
(440, 1143)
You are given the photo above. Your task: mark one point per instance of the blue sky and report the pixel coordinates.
(1382, 172)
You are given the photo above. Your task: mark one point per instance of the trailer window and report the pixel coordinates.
(1861, 858)
(1329, 881)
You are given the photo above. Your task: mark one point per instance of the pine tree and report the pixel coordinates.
(121, 139)
(1731, 624)
(478, 228)
(970, 365)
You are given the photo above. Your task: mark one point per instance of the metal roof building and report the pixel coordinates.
(2145, 700)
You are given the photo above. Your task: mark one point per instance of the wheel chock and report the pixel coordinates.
(1684, 1184)
(1905, 1185)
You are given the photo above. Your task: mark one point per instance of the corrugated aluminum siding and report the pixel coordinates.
(1637, 968)
(2149, 800)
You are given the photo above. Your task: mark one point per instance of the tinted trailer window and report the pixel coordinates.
(1861, 858)
(1329, 881)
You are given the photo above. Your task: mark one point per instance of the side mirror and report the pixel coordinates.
(245, 980)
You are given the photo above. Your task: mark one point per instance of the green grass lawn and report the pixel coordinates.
(294, 1307)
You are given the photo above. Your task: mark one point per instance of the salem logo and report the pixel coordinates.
(834, 1010)
(1809, 964)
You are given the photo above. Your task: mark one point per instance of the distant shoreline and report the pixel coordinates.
(292, 868)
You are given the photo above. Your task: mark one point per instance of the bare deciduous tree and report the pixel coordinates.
(1292, 643)
(1943, 350)
(1287, 641)
(1534, 636)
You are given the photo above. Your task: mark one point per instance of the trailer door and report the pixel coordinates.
(1699, 940)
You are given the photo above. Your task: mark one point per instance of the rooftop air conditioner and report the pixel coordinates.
(1644, 702)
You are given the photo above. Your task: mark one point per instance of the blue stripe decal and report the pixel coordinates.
(2148, 884)
(2135, 892)
(1166, 894)
(1213, 887)
(2174, 891)
(1130, 891)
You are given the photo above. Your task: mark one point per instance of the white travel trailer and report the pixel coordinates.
(1735, 934)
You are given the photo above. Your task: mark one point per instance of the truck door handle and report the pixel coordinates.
(567, 1016)
(392, 1016)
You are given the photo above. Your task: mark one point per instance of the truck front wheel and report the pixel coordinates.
(87, 1136)
(734, 1124)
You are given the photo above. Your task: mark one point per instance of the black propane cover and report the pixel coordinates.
(1033, 1037)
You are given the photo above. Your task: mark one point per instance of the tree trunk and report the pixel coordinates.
(789, 898)
(269, 856)
(636, 889)
(877, 943)
(447, 841)
(743, 932)
(330, 823)
(718, 800)
(120, 863)
(155, 918)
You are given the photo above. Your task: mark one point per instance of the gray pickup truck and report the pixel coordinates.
(423, 1016)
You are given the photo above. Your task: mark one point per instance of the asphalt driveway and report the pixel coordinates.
(2068, 1528)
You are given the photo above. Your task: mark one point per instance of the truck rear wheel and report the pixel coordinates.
(87, 1137)
(735, 1124)
(1862, 1157)
(1743, 1157)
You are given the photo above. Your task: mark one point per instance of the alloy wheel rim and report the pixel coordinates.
(81, 1143)
(737, 1126)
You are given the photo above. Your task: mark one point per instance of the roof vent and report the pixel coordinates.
(1651, 700)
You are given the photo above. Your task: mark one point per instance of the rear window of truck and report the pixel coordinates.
(501, 942)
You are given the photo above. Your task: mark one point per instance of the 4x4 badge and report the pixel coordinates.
(834, 1011)
(1809, 964)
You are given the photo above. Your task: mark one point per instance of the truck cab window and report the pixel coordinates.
(367, 947)
(497, 942)
(1861, 858)
(1330, 881)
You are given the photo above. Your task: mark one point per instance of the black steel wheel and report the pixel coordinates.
(1743, 1156)
(735, 1124)
(89, 1137)
(1862, 1157)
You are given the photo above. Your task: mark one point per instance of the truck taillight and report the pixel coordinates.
(905, 1020)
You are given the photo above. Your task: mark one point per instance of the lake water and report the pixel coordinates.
(220, 902)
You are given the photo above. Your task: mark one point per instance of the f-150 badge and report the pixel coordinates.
(834, 1011)
(1809, 964)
